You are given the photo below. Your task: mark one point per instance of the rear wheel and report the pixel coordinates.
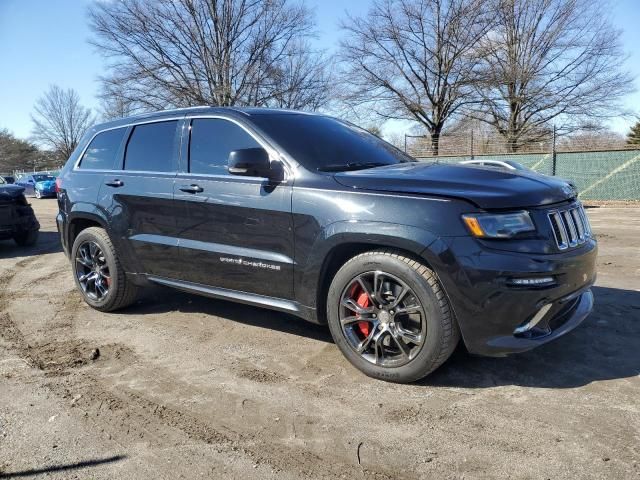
(98, 273)
(390, 317)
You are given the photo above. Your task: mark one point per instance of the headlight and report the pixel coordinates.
(499, 225)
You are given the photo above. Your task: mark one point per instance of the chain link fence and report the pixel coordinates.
(602, 168)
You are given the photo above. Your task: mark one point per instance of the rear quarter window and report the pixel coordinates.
(101, 152)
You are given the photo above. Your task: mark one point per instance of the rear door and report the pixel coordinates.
(102, 155)
(138, 198)
(237, 231)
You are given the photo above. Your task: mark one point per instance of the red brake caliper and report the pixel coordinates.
(363, 326)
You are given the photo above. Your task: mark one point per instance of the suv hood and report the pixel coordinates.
(486, 187)
(9, 193)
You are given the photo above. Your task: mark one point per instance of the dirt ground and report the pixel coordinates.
(188, 387)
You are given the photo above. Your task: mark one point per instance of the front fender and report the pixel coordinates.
(360, 235)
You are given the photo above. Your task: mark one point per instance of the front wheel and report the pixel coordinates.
(390, 317)
(98, 273)
(38, 194)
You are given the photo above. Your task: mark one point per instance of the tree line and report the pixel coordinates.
(518, 66)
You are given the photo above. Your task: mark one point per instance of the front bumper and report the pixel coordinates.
(47, 192)
(490, 310)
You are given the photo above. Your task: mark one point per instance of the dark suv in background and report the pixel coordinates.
(316, 217)
(17, 220)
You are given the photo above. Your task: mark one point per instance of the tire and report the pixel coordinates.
(436, 326)
(26, 239)
(38, 194)
(120, 292)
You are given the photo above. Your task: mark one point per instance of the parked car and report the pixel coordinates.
(316, 217)
(8, 179)
(39, 185)
(508, 164)
(17, 220)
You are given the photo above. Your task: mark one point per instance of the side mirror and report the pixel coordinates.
(30, 181)
(251, 162)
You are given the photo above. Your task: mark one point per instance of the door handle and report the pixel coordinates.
(115, 183)
(191, 188)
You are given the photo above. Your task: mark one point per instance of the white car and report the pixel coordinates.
(508, 164)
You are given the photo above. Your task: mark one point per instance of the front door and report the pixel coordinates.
(237, 231)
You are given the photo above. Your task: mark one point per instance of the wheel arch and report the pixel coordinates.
(79, 221)
(345, 240)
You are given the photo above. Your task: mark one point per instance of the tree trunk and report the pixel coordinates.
(512, 142)
(435, 142)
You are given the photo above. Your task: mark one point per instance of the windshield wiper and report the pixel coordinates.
(343, 167)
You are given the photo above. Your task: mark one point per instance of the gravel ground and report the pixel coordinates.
(187, 387)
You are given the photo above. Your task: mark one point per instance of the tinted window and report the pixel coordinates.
(103, 149)
(211, 141)
(325, 143)
(151, 147)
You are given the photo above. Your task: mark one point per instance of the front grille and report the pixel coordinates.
(570, 226)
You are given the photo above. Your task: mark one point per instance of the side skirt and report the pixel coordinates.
(273, 303)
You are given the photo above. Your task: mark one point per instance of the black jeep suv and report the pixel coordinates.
(313, 216)
(17, 220)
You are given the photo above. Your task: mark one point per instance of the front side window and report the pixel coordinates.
(102, 151)
(212, 139)
(151, 147)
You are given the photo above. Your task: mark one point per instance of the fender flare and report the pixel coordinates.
(81, 212)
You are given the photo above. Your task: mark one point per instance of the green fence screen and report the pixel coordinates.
(599, 175)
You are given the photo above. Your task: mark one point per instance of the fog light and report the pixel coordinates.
(531, 282)
(534, 321)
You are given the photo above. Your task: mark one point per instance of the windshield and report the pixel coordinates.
(43, 178)
(327, 144)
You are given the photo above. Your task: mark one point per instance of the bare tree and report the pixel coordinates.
(301, 80)
(415, 59)
(396, 139)
(59, 120)
(168, 53)
(550, 61)
(114, 102)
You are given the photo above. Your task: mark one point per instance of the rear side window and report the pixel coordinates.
(151, 147)
(102, 151)
(212, 139)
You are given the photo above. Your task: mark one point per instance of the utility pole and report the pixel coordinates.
(553, 153)
(471, 144)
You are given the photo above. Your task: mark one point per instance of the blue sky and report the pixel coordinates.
(44, 42)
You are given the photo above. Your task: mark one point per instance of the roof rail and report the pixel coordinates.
(168, 110)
